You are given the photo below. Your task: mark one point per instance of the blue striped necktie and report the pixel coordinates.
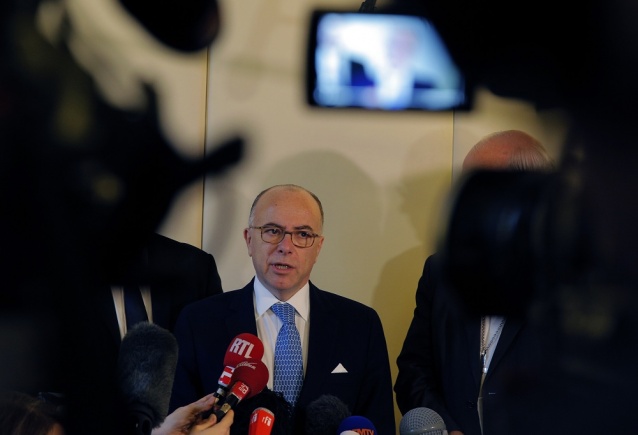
(288, 377)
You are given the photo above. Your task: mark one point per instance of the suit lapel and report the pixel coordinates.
(473, 332)
(160, 302)
(324, 331)
(241, 312)
(106, 307)
(510, 330)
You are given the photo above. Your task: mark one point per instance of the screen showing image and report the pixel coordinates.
(382, 62)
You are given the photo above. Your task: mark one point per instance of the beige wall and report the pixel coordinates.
(382, 178)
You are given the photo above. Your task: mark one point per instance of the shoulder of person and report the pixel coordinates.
(344, 303)
(215, 303)
(162, 243)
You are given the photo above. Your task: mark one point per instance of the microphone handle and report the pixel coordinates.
(230, 403)
(220, 394)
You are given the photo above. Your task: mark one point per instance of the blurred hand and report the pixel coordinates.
(208, 427)
(180, 421)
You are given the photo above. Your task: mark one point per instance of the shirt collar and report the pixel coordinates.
(264, 299)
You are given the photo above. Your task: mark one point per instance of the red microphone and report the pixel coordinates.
(243, 347)
(249, 378)
(261, 422)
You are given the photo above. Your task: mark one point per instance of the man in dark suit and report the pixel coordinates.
(459, 364)
(167, 275)
(170, 275)
(342, 343)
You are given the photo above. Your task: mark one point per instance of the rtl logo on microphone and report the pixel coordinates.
(242, 347)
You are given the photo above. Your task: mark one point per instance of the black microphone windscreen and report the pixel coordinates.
(146, 368)
(421, 421)
(324, 415)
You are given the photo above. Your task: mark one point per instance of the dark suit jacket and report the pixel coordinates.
(177, 274)
(341, 331)
(439, 366)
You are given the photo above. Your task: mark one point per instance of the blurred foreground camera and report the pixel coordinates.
(557, 252)
(495, 241)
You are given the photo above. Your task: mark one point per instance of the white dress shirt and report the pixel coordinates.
(492, 334)
(118, 300)
(268, 324)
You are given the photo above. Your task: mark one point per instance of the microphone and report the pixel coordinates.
(261, 421)
(419, 421)
(145, 371)
(243, 347)
(272, 401)
(324, 414)
(356, 425)
(249, 378)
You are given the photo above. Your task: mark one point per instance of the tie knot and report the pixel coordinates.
(285, 312)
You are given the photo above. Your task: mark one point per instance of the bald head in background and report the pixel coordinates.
(446, 363)
(509, 149)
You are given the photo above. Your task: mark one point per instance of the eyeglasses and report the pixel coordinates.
(274, 235)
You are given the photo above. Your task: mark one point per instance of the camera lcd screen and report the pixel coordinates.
(381, 62)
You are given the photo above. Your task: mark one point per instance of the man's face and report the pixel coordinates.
(284, 268)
